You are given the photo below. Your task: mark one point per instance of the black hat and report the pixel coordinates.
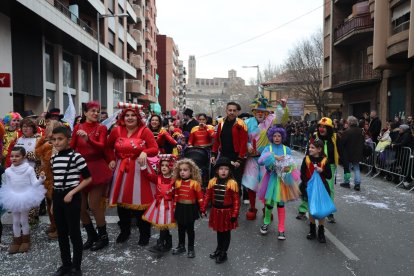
(223, 161)
(28, 114)
(188, 112)
(54, 112)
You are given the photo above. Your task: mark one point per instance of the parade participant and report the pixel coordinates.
(203, 134)
(129, 144)
(257, 127)
(189, 121)
(188, 199)
(161, 212)
(68, 166)
(275, 189)
(325, 133)
(12, 123)
(231, 140)
(20, 192)
(89, 139)
(162, 136)
(2, 211)
(223, 192)
(44, 151)
(315, 160)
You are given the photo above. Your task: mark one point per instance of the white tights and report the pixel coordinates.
(20, 223)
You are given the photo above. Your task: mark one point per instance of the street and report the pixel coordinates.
(374, 235)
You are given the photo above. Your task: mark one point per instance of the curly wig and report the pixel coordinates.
(276, 129)
(194, 170)
(10, 116)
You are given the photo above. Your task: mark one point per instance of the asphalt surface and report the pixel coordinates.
(374, 235)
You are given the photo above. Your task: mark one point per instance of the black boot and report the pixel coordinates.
(92, 236)
(102, 240)
(215, 253)
(179, 249)
(125, 232)
(191, 252)
(312, 232)
(222, 257)
(321, 234)
(167, 245)
(158, 248)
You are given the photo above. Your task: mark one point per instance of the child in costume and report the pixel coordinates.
(315, 160)
(2, 211)
(161, 212)
(279, 184)
(12, 123)
(223, 192)
(20, 192)
(188, 198)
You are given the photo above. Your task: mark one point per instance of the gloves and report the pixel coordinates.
(233, 219)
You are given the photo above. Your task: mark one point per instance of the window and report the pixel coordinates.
(111, 5)
(118, 95)
(120, 49)
(400, 20)
(111, 40)
(84, 76)
(66, 100)
(50, 94)
(326, 67)
(68, 71)
(49, 63)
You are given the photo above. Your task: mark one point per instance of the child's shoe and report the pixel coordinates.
(167, 244)
(15, 245)
(281, 236)
(62, 271)
(75, 272)
(191, 252)
(321, 234)
(312, 232)
(179, 249)
(215, 253)
(222, 257)
(331, 218)
(25, 246)
(92, 236)
(301, 216)
(264, 229)
(251, 214)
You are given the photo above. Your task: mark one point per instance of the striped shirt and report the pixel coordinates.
(67, 167)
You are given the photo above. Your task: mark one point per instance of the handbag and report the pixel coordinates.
(319, 201)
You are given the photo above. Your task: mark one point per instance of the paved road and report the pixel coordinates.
(374, 235)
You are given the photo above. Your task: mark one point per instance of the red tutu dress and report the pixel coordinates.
(161, 212)
(93, 151)
(225, 204)
(130, 189)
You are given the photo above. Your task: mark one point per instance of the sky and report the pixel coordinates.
(206, 28)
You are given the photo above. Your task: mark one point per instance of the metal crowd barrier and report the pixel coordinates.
(412, 169)
(395, 162)
(369, 161)
(298, 142)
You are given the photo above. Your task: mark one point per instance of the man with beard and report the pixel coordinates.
(325, 133)
(257, 127)
(189, 121)
(231, 140)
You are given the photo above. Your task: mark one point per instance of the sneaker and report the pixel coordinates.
(178, 250)
(281, 236)
(357, 187)
(264, 229)
(331, 219)
(345, 185)
(301, 216)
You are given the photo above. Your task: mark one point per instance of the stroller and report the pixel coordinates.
(200, 156)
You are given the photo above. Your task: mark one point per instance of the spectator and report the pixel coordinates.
(189, 121)
(374, 126)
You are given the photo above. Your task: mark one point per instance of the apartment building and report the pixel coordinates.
(368, 51)
(168, 71)
(182, 86)
(47, 46)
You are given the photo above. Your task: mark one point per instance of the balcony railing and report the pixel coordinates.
(65, 10)
(359, 22)
(355, 73)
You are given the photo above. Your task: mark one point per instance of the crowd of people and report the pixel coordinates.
(149, 168)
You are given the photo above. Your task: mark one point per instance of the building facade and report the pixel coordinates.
(368, 52)
(50, 48)
(182, 87)
(168, 70)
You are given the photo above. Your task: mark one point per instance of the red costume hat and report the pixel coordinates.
(136, 108)
(171, 158)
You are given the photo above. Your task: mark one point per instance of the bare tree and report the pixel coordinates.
(304, 64)
(268, 73)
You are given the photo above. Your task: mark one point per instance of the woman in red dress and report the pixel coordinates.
(89, 139)
(129, 144)
(162, 136)
(203, 134)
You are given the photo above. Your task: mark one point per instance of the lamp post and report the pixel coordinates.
(98, 35)
(258, 76)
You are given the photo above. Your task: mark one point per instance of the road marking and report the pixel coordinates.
(341, 247)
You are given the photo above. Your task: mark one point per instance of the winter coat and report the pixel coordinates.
(374, 128)
(352, 141)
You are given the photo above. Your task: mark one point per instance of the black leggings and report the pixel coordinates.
(182, 229)
(223, 240)
(144, 227)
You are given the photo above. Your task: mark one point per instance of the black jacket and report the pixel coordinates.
(352, 142)
(375, 129)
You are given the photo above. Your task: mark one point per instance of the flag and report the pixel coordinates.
(111, 120)
(70, 113)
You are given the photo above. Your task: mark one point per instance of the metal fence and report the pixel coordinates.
(369, 159)
(412, 169)
(395, 162)
(298, 142)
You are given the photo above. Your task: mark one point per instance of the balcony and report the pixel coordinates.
(147, 13)
(135, 60)
(134, 86)
(354, 76)
(353, 28)
(137, 35)
(138, 11)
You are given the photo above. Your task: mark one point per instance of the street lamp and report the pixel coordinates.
(258, 76)
(99, 16)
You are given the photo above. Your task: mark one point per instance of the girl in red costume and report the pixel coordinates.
(223, 192)
(161, 212)
(203, 134)
(162, 136)
(129, 144)
(89, 139)
(188, 198)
